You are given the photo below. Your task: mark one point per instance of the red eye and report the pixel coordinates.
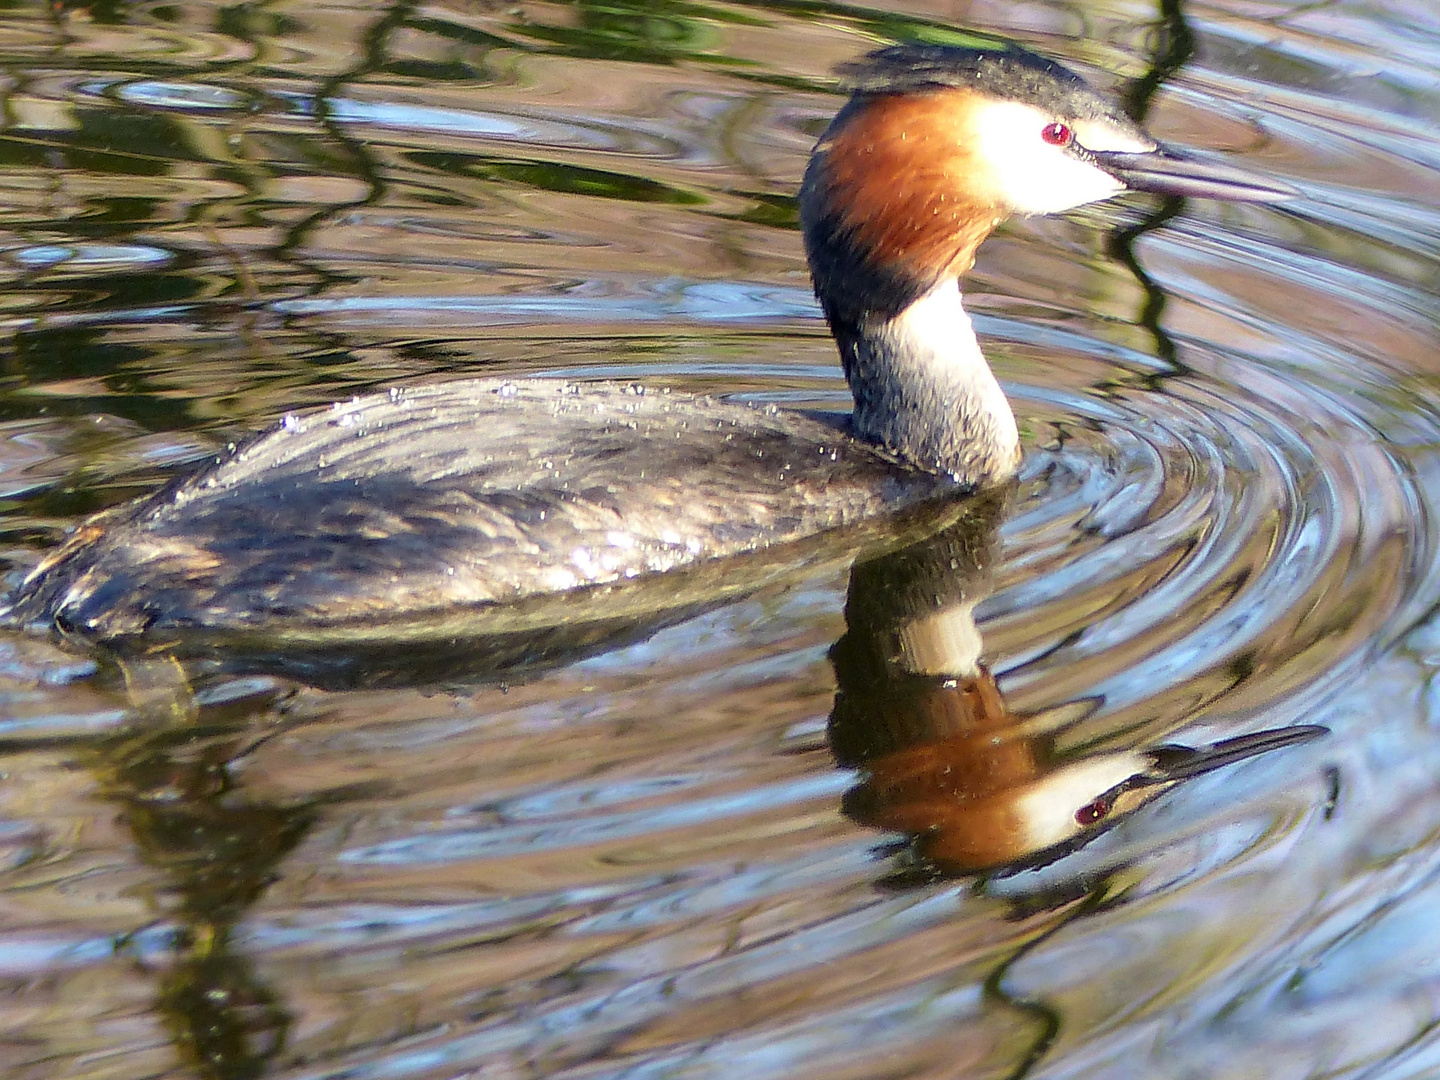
(1090, 813)
(1057, 134)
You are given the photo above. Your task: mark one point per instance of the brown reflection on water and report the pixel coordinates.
(213, 850)
(942, 757)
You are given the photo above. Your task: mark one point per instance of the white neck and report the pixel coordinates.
(922, 387)
(944, 642)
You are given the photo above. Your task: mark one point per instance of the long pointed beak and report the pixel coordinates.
(1170, 173)
(1174, 763)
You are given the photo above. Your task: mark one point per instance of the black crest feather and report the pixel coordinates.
(1004, 71)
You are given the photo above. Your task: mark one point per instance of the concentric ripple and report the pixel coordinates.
(1200, 544)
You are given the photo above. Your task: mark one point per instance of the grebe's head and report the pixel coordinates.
(938, 144)
(987, 802)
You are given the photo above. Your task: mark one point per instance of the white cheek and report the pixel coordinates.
(1027, 173)
(1047, 810)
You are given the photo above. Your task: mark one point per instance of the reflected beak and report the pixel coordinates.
(1175, 763)
(1170, 173)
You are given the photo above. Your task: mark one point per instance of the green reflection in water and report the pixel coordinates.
(106, 141)
(776, 211)
(1174, 43)
(556, 176)
(644, 31)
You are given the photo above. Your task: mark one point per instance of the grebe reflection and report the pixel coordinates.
(942, 758)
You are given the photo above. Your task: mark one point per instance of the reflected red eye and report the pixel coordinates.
(1057, 134)
(1090, 813)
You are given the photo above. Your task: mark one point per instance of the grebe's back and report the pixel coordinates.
(401, 507)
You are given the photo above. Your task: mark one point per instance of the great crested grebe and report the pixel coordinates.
(411, 506)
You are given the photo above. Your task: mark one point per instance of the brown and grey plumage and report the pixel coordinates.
(322, 523)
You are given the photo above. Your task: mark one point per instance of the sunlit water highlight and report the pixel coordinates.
(637, 865)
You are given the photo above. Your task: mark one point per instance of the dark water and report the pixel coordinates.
(651, 863)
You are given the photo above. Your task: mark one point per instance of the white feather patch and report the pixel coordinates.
(1047, 808)
(1030, 175)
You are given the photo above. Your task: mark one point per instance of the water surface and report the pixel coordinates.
(650, 862)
